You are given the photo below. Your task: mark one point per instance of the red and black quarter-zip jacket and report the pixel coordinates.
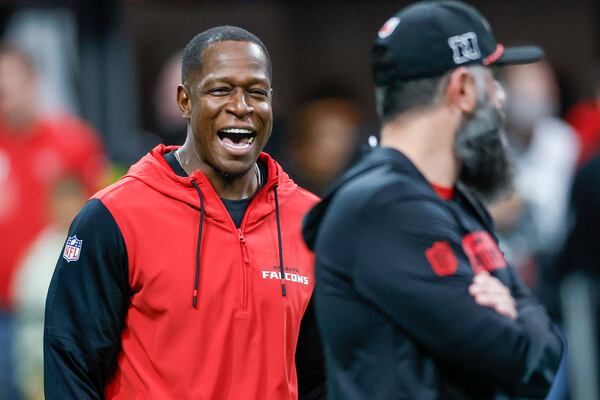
(120, 320)
(394, 262)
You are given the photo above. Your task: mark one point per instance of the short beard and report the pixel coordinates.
(229, 177)
(481, 147)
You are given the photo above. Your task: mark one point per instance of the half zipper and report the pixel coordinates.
(242, 240)
(245, 267)
(244, 247)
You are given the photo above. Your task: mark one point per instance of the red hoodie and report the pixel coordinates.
(239, 341)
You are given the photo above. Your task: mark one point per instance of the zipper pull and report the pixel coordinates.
(243, 244)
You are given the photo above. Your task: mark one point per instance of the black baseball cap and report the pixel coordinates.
(429, 38)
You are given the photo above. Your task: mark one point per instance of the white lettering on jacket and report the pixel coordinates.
(288, 276)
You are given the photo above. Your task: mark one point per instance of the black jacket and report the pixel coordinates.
(393, 264)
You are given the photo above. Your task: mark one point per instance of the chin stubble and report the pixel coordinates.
(230, 177)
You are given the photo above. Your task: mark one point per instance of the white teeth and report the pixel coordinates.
(251, 140)
(236, 146)
(237, 130)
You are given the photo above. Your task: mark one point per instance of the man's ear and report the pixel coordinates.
(462, 90)
(184, 101)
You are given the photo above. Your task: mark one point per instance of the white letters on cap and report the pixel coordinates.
(464, 47)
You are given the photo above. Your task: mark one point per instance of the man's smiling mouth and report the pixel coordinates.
(237, 138)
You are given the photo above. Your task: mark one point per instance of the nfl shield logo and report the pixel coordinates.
(72, 249)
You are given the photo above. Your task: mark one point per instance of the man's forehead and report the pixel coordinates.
(228, 59)
(233, 51)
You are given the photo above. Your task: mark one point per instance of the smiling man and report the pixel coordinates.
(188, 278)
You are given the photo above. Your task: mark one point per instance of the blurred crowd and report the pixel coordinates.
(51, 162)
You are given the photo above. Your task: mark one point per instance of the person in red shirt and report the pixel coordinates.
(585, 118)
(35, 151)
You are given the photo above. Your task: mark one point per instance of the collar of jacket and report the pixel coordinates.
(154, 171)
(377, 158)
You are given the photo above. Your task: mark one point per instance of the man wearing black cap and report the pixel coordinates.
(414, 298)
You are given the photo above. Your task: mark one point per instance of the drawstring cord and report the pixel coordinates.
(281, 270)
(198, 243)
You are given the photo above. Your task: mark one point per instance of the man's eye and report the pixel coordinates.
(219, 91)
(259, 93)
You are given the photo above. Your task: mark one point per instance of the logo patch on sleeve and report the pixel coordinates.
(483, 252)
(442, 258)
(72, 249)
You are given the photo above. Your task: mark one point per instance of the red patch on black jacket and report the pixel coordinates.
(483, 252)
(442, 259)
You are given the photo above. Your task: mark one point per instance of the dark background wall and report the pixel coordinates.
(123, 44)
(313, 43)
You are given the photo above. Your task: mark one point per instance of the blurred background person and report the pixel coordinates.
(35, 151)
(532, 221)
(578, 273)
(585, 118)
(170, 125)
(30, 286)
(323, 141)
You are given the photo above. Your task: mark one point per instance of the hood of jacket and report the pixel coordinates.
(154, 171)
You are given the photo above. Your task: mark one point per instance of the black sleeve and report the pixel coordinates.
(85, 307)
(310, 361)
(393, 272)
(533, 317)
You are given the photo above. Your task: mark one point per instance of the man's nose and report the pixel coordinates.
(239, 104)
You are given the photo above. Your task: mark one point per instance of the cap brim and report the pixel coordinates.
(520, 55)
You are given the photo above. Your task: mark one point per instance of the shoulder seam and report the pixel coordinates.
(111, 188)
(308, 193)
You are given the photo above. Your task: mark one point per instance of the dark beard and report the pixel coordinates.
(481, 147)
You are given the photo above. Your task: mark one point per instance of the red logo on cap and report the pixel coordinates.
(492, 58)
(442, 259)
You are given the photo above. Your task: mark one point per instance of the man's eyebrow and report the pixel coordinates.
(223, 78)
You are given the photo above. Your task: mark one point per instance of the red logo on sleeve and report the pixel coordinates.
(442, 259)
(483, 252)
